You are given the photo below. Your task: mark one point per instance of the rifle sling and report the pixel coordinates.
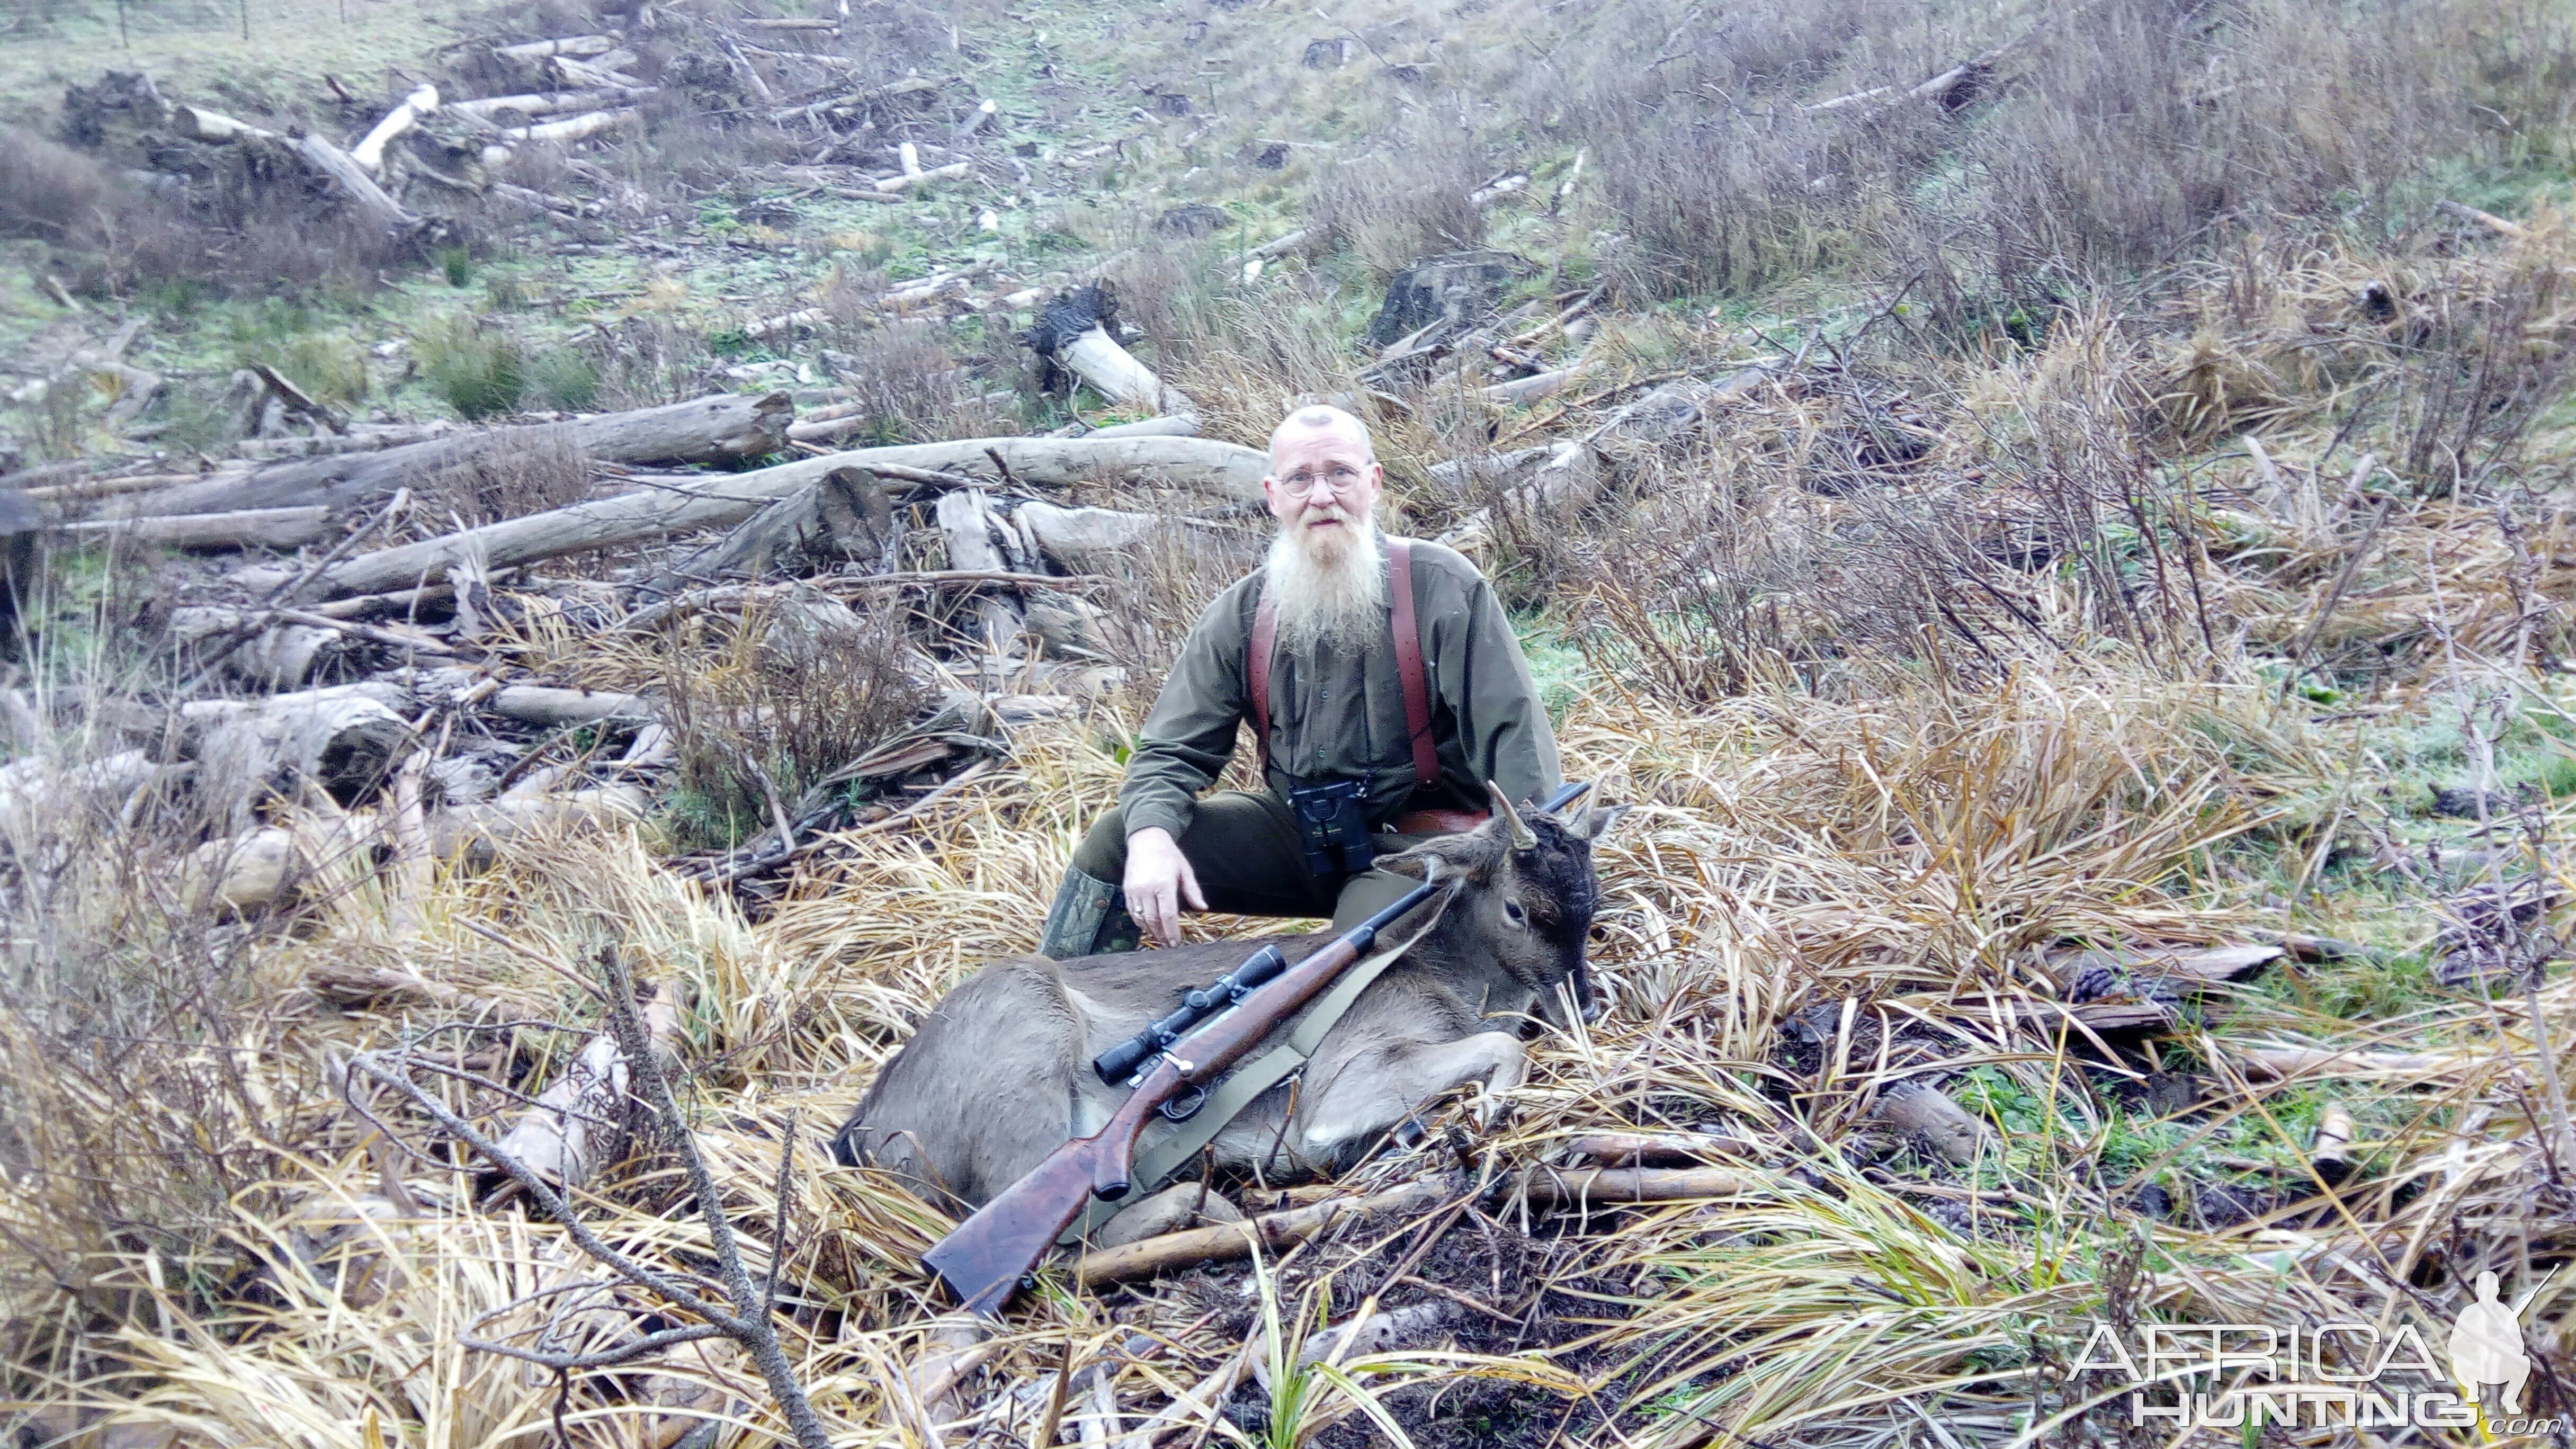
(1245, 1084)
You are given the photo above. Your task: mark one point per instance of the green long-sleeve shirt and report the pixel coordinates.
(1340, 714)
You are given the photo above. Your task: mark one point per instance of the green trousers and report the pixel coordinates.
(1250, 861)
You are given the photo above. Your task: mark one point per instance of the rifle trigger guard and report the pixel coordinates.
(1182, 1109)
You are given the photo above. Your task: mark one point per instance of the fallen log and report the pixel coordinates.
(572, 128)
(38, 793)
(342, 739)
(1081, 538)
(1607, 1185)
(1273, 1231)
(353, 179)
(549, 103)
(1072, 331)
(247, 528)
(474, 834)
(721, 428)
(968, 522)
(1113, 372)
(213, 128)
(2492, 222)
(243, 530)
(370, 153)
(1225, 468)
(1925, 1115)
(538, 704)
(1531, 389)
(1650, 1149)
(567, 45)
(257, 869)
(580, 1123)
(897, 185)
(278, 656)
(844, 516)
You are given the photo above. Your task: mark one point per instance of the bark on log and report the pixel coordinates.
(720, 428)
(343, 739)
(248, 528)
(580, 1123)
(370, 153)
(1235, 472)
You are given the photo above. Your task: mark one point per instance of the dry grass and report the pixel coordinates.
(1912, 856)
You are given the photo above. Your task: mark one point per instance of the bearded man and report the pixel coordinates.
(1384, 686)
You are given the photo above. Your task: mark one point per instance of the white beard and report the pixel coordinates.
(1329, 589)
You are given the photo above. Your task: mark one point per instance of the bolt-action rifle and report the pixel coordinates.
(988, 1256)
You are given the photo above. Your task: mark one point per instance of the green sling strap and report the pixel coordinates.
(1245, 1084)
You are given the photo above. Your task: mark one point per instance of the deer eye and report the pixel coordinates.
(1512, 912)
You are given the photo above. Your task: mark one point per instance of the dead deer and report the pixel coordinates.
(1000, 1073)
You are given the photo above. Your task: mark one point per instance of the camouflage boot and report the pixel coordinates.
(1089, 919)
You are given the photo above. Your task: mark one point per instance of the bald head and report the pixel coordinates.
(1307, 423)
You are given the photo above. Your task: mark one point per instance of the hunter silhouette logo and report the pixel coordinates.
(2486, 1346)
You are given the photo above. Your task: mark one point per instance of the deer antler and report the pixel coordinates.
(1523, 838)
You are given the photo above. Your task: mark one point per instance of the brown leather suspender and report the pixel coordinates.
(1408, 665)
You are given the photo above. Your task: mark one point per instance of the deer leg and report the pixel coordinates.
(1182, 1205)
(1366, 1096)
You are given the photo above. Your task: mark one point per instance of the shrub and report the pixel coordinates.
(535, 470)
(330, 366)
(49, 191)
(478, 373)
(793, 692)
(565, 379)
(1407, 203)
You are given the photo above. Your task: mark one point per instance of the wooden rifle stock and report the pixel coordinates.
(990, 1253)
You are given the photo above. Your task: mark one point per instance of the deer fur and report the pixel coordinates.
(999, 1074)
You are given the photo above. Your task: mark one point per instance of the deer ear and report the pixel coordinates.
(1595, 821)
(1471, 856)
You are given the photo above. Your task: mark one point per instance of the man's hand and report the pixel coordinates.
(1159, 883)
